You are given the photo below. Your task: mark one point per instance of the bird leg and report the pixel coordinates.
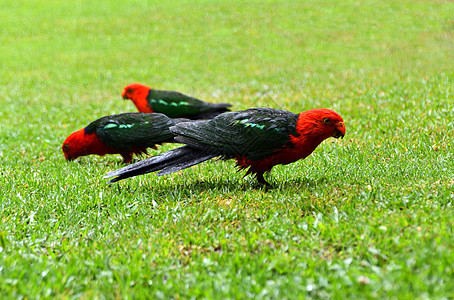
(127, 158)
(262, 180)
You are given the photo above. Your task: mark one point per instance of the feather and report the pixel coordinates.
(170, 161)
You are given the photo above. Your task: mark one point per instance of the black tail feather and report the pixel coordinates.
(220, 106)
(185, 163)
(168, 162)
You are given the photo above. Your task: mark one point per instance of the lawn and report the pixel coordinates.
(369, 216)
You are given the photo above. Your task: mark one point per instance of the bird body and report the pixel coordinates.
(257, 138)
(125, 134)
(172, 104)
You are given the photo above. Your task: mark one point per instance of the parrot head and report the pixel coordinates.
(137, 93)
(324, 123)
(79, 144)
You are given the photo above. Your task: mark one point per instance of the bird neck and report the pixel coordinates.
(309, 134)
(140, 101)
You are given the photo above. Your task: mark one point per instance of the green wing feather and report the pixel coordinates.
(127, 130)
(253, 133)
(174, 104)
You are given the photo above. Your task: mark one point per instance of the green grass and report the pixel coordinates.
(369, 216)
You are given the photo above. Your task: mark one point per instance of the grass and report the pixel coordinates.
(369, 216)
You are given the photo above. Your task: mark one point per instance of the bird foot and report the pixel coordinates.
(262, 181)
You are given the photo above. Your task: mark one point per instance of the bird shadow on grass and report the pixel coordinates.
(215, 186)
(189, 188)
(300, 183)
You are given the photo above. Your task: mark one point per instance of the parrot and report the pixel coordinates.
(258, 138)
(125, 134)
(172, 104)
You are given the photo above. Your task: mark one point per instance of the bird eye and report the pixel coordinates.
(326, 121)
(129, 91)
(65, 147)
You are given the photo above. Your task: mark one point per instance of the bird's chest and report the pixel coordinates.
(283, 157)
(289, 155)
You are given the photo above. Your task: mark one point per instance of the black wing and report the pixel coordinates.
(254, 133)
(175, 104)
(127, 130)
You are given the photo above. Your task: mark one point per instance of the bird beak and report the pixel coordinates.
(339, 132)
